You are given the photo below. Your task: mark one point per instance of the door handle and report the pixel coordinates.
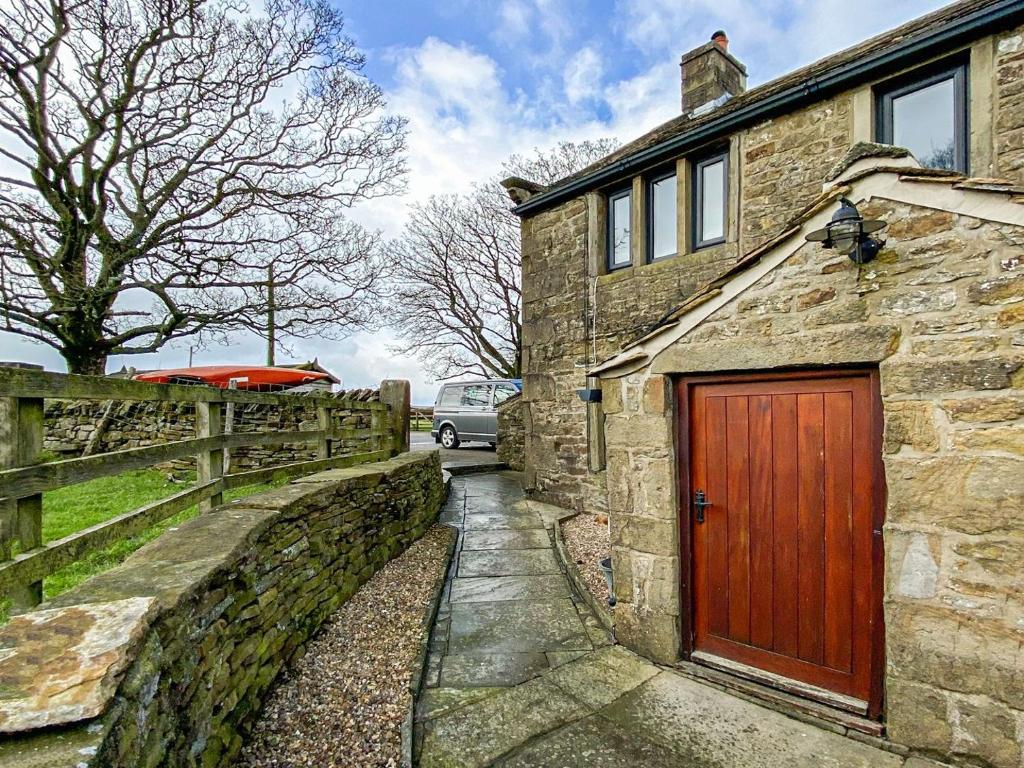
(700, 503)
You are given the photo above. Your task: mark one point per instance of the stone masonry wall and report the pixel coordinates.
(511, 438)
(941, 313)
(239, 592)
(785, 161)
(70, 424)
(1009, 92)
(554, 418)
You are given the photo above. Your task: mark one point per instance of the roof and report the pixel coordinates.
(910, 43)
(865, 176)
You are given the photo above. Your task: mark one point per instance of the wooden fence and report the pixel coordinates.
(24, 558)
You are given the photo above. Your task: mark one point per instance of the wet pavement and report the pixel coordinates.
(522, 674)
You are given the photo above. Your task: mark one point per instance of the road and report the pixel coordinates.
(479, 452)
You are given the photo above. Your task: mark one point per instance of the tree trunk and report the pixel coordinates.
(85, 362)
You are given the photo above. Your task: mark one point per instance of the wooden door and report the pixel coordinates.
(784, 572)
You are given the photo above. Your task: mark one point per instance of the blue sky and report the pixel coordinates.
(481, 80)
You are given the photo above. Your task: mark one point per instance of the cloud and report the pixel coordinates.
(582, 75)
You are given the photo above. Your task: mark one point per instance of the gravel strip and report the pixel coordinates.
(343, 703)
(586, 541)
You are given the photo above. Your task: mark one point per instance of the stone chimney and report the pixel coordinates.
(711, 76)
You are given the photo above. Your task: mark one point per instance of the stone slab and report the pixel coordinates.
(487, 589)
(69, 747)
(516, 626)
(436, 702)
(473, 670)
(599, 678)
(63, 665)
(479, 734)
(490, 521)
(507, 562)
(528, 539)
(703, 726)
(594, 743)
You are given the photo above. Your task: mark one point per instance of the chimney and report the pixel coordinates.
(710, 76)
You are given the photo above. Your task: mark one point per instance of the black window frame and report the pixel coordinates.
(959, 71)
(611, 197)
(697, 199)
(649, 182)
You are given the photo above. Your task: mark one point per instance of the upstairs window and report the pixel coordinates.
(619, 211)
(927, 115)
(710, 198)
(661, 216)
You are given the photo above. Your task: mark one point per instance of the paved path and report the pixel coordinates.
(521, 674)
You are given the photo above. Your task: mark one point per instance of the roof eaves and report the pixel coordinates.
(902, 52)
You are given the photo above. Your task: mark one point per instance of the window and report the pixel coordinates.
(503, 392)
(451, 396)
(476, 395)
(710, 198)
(619, 210)
(661, 216)
(928, 116)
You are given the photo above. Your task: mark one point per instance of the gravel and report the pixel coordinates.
(586, 540)
(343, 703)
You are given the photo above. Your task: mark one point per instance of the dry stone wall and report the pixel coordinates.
(510, 448)
(70, 425)
(941, 312)
(210, 613)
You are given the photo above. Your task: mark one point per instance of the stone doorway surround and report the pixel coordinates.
(940, 313)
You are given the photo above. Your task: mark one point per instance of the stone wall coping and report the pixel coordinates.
(62, 663)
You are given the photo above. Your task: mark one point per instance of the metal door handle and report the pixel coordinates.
(700, 502)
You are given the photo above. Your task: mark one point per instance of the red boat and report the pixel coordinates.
(248, 377)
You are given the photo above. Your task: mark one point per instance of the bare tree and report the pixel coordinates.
(157, 157)
(456, 271)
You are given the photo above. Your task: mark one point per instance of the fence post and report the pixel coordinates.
(210, 464)
(395, 393)
(323, 417)
(21, 520)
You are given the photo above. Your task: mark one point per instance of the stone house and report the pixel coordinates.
(854, 425)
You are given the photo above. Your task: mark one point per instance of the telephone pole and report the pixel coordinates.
(271, 329)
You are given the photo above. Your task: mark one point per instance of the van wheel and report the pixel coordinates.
(448, 437)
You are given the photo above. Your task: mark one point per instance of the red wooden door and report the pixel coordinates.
(782, 563)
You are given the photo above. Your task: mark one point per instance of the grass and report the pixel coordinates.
(70, 509)
(417, 424)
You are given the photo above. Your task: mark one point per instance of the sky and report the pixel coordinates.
(479, 81)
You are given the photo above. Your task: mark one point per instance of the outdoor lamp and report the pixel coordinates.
(848, 233)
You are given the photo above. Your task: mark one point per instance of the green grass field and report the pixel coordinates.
(419, 425)
(71, 509)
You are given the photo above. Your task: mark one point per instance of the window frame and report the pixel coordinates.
(888, 91)
(697, 198)
(610, 198)
(668, 172)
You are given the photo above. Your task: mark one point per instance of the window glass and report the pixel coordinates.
(711, 188)
(503, 392)
(924, 121)
(476, 395)
(451, 396)
(618, 246)
(663, 217)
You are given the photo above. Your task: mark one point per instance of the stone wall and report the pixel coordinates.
(940, 313)
(70, 425)
(1009, 103)
(210, 612)
(784, 163)
(511, 449)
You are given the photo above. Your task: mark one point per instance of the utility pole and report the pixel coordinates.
(270, 315)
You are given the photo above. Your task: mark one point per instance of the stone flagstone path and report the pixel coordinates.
(521, 674)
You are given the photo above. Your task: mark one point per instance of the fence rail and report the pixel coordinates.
(24, 558)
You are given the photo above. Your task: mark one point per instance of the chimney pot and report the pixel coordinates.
(710, 75)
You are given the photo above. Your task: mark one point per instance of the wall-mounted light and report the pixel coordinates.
(849, 234)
